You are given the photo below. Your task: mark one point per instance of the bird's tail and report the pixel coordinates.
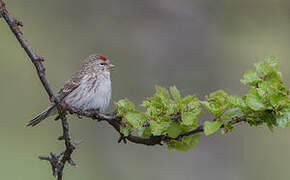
(51, 110)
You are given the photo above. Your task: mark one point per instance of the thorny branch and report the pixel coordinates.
(57, 164)
(58, 161)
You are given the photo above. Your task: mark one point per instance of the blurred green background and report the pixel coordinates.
(199, 46)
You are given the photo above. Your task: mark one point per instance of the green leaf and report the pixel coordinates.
(189, 119)
(136, 119)
(190, 103)
(250, 78)
(146, 104)
(185, 144)
(175, 93)
(212, 107)
(162, 93)
(126, 130)
(144, 132)
(274, 77)
(232, 113)
(158, 128)
(269, 65)
(238, 102)
(211, 127)
(219, 96)
(174, 130)
(268, 118)
(216, 103)
(123, 106)
(276, 98)
(189, 99)
(283, 118)
(228, 127)
(254, 100)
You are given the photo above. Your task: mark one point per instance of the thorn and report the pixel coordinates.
(60, 138)
(18, 23)
(57, 117)
(71, 162)
(2, 5)
(40, 58)
(120, 139)
(75, 143)
(44, 158)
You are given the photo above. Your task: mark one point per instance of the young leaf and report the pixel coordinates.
(190, 103)
(126, 130)
(216, 103)
(162, 93)
(144, 132)
(283, 118)
(135, 119)
(250, 78)
(276, 98)
(175, 93)
(254, 100)
(189, 119)
(238, 102)
(174, 129)
(269, 65)
(232, 113)
(123, 106)
(211, 127)
(212, 107)
(158, 128)
(219, 96)
(185, 144)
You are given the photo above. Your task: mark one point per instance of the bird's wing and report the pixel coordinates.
(70, 85)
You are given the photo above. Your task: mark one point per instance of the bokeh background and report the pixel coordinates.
(199, 46)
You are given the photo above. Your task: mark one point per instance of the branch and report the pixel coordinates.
(56, 163)
(115, 122)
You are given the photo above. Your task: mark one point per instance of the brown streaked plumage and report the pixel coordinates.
(87, 89)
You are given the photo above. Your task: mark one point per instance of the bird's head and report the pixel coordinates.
(103, 62)
(98, 63)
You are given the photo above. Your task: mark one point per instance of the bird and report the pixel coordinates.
(88, 89)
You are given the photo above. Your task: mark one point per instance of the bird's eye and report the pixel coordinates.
(102, 64)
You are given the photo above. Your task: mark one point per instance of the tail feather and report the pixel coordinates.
(44, 114)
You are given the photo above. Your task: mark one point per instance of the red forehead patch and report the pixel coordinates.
(102, 57)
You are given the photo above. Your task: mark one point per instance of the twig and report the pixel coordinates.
(115, 122)
(57, 165)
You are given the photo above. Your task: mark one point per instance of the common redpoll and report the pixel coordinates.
(89, 89)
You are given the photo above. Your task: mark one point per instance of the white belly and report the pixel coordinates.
(94, 93)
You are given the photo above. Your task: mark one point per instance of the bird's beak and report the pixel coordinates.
(110, 66)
